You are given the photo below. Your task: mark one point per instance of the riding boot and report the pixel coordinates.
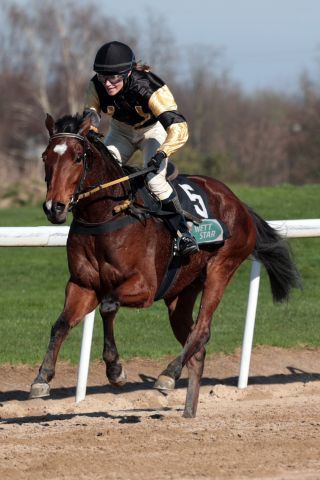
(185, 243)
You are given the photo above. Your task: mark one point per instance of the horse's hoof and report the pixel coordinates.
(39, 390)
(121, 380)
(164, 383)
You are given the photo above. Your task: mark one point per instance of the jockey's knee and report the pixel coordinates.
(115, 152)
(159, 186)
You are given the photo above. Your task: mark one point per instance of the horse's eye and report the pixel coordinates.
(78, 158)
(44, 157)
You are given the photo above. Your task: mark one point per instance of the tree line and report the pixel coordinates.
(264, 138)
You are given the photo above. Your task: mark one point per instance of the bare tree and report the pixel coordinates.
(46, 62)
(46, 65)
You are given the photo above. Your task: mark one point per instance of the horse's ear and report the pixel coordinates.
(50, 124)
(85, 126)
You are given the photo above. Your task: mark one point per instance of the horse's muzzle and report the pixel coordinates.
(56, 212)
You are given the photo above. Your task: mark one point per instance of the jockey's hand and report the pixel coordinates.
(91, 120)
(156, 160)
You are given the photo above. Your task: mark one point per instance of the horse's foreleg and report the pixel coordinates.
(79, 301)
(114, 370)
(217, 279)
(180, 314)
(195, 368)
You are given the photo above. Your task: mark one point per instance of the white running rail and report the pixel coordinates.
(54, 236)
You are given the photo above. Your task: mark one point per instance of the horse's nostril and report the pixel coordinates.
(57, 207)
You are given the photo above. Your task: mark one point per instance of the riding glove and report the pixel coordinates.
(156, 160)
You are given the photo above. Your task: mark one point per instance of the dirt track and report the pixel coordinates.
(271, 430)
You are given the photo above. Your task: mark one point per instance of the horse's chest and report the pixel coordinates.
(83, 264)
(92, 269)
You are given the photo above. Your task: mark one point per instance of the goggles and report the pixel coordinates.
(114, 79)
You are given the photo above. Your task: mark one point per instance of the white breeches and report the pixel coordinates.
(123, 140)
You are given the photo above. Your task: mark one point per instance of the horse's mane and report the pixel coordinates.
(72, 124)
(69, 123)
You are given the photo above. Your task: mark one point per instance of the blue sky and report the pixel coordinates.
(265, 43)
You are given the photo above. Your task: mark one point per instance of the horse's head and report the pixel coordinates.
(64, 161)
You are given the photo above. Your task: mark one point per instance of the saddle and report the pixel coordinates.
(194, 202)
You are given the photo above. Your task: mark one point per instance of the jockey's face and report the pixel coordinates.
(112, 83)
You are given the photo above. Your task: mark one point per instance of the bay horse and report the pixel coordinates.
(125, 263)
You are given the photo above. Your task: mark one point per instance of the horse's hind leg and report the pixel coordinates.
(180, 314)
(79, 301)
(115, 372)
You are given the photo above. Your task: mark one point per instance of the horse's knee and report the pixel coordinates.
(61, 327)
(109, 304)
(205, 335)
(195, 364)
(198, 357)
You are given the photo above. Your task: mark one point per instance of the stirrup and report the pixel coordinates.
(185, 245)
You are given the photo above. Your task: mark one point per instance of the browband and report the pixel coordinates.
(67, 134)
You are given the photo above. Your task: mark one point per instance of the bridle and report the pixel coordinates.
(79, 194)
(70, 135)
(87, 148)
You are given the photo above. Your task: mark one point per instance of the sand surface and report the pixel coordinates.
(271, 430)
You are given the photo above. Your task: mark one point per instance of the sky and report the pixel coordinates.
(264, 43)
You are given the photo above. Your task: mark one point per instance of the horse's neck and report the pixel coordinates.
(99, 206)
(102, 169)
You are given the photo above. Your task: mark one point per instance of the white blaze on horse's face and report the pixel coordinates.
(60, 149)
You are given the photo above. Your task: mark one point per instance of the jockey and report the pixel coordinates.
(144, 117)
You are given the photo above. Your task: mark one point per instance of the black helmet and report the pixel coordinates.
(114, 58)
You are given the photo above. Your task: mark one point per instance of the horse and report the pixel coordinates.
(124, 262)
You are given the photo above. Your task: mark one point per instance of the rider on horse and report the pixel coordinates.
(144, 117)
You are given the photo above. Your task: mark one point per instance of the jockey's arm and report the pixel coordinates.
(163, 106)
(92, 109)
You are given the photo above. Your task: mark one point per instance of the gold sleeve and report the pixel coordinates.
(162, 101)
(177, 135)
(91, 99)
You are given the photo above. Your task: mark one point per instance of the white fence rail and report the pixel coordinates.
(54, 236)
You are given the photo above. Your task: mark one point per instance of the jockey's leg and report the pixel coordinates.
(186, 243)
(163, 190)
(119, 141)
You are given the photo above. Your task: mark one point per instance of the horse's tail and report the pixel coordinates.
(274, 253)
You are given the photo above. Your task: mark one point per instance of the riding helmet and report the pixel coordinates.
(114, 58)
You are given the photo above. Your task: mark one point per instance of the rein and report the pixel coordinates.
(113, 182)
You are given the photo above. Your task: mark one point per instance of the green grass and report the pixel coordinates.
(33, 279)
